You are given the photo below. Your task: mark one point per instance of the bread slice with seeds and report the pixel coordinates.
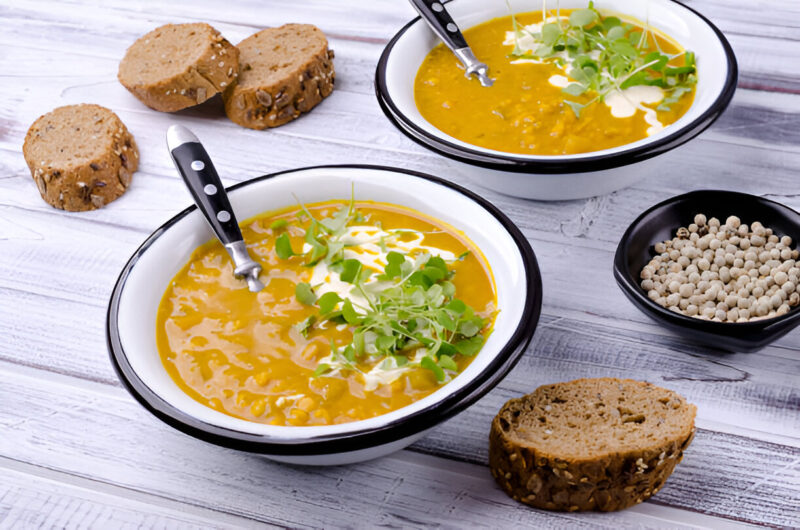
(285, 71)
(590, 444)
(178, 66)
(81, 156)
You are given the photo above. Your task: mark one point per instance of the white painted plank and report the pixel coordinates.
(32, 497)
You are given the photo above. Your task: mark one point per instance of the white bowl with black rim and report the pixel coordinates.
(567, 176)
(134, 302)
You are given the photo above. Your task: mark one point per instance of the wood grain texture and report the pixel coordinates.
(32, 497)
(57, 271)
(130, 449)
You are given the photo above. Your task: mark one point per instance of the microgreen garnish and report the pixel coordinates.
(602, 54)
(278, 224)
(403, 316)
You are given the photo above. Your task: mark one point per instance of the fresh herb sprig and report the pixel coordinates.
(323, 236)
(603, 54)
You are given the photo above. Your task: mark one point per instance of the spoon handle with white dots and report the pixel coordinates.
(198, 173)
(436, 16)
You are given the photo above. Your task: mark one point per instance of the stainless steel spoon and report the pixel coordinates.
(194, 165)
(440, 21)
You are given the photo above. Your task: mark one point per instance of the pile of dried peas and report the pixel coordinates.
(726, 273)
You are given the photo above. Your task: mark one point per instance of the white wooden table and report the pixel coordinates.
(77, 451)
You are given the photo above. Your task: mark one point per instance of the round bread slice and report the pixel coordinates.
(285, 71)
(81, 156)
(590, 444)
(178, 66)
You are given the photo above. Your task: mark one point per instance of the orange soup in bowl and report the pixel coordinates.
(367, 307)
(571, 81)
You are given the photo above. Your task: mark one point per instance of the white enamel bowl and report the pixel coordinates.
(136, 296)
(569, 176)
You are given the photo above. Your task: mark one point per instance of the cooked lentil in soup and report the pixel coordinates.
(527, 111)
(286, 356)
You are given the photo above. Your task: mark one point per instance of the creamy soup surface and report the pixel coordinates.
(525, 110)
(252, 356)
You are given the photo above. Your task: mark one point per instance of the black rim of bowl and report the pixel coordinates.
(503, 162)
(626, 278)
(404, 427)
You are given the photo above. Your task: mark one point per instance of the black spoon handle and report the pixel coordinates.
(197, 170)
(440, 22)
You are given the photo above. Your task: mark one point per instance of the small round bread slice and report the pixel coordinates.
(590, 444)
(81, 156)
(178, 66)
(285, 71)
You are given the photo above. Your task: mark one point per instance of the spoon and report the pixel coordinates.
(194, 165)
(440, 21)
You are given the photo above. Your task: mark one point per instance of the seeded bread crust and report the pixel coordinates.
(81, 157)
(176, 66)
(285, 71)
(617, 473)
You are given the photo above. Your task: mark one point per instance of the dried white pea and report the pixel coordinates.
(673, 299)
(776, 301)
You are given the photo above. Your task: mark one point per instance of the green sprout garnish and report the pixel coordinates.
(603, 54)
(403, 316)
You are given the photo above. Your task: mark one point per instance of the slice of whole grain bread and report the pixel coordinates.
(80, 156)
(590, 444)
(284, 72)
(178, 66)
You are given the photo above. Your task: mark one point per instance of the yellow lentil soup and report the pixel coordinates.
(549, 100)
(310, 349)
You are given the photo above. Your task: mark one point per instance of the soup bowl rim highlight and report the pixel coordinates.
(354, 437)
(623, 155)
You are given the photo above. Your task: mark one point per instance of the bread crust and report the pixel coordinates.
(260, 106)
(89, 183)
(609, 481)
(214, 67)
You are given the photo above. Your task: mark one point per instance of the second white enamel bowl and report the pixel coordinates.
(569, 176)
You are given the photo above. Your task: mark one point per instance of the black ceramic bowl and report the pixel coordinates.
(660, 222)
